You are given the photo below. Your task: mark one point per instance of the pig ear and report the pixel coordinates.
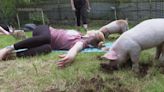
(111, 55)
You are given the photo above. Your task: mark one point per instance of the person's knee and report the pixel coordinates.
(47, 39)
(47, 48)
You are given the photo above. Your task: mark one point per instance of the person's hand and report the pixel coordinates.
(73, 9)
(101, 44)
(65, 60)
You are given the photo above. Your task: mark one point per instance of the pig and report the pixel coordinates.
(117, 26)
(145, 35)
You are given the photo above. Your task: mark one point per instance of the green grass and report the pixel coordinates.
(40, 73)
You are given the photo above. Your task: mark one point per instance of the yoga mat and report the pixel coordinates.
(108, 45)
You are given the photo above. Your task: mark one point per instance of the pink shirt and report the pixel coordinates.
(62, 39)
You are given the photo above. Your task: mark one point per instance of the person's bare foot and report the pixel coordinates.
(10, 56)
(4, 52)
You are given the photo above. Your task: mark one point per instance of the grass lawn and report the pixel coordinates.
(40, 74)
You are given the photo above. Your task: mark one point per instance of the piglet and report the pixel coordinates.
(117, 26)
(147, 34)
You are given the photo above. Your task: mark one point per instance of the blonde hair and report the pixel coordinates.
(99, 37)
(97, 33)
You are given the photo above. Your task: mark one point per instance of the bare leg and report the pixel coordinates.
(161, 55)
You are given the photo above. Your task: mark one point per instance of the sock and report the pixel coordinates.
(85, 26)
(10, 47)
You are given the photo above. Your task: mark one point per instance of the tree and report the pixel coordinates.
(8, 9)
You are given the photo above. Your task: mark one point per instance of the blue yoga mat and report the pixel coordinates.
(108, 44)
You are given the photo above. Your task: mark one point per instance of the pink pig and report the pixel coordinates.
(147, 34)
(117, 26)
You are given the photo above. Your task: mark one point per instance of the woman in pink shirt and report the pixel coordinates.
(45, 39)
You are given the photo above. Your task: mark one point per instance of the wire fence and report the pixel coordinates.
(59, 11)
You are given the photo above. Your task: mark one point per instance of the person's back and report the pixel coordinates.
(62, 39)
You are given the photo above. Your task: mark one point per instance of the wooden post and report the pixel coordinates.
(42, 17)
(150, 11)
(18, 20)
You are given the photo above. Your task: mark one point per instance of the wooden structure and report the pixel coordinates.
(29, 10)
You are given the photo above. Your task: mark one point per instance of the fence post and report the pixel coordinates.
(18, 20)
(59, 10)
(137, 11)
(150, 12)
(42, 17)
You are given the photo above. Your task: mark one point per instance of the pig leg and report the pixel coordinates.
(124, 28)
(158, 51)
(134, 56)
(161, 55)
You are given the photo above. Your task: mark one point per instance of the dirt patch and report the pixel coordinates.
(97, 84)
(143, 69)
(94, 84)
(109, 67)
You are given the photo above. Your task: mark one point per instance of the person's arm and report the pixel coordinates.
(88, 5)
(69, 57)
(72, 5)
(4, 31)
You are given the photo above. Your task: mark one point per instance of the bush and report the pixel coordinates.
(36, 18)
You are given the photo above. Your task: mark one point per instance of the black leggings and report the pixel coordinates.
(81, 12)
(38, 44)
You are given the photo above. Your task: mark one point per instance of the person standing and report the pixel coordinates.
(81, 8)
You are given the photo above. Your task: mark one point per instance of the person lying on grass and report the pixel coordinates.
(46, 38)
